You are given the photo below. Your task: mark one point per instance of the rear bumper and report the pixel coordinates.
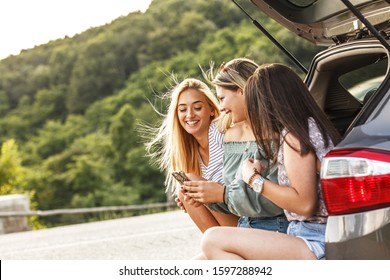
(359, 236)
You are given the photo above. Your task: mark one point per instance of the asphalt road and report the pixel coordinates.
(163, 236)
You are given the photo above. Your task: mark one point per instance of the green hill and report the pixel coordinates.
(72, 105)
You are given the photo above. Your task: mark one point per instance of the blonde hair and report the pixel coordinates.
(232, 75)
(176, 148)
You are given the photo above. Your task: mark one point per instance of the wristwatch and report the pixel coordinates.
(258, 184)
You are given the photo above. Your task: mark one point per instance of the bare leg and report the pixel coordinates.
(253, 244)
(204, 218)
(228, 220)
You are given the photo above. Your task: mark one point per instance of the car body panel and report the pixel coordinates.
(324, 22)
(345, 227)
(359, 236)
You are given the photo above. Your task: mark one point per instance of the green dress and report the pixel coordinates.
(240, 199)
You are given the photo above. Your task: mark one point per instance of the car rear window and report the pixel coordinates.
(363, 82)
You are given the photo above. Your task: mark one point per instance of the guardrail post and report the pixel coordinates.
(11, 203)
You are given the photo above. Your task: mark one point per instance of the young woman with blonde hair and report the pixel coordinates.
(188, 140)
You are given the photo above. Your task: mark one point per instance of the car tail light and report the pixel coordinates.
(355, 180)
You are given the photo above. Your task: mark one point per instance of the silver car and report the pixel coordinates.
(350, 81)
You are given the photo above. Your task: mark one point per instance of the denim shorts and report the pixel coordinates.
(278, 223)
(312, 233)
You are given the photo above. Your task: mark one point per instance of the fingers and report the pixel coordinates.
(186, 189)
(191, 188)
(189, 200)
(196, 186)
(180, 204)
(195, 198)
(195, 192)
(192, 199)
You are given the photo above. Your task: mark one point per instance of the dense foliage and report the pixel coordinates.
(69, 108)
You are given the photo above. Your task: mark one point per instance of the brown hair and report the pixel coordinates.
(232, 75)
(277, 99)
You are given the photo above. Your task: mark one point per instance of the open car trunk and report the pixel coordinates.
(325, 22)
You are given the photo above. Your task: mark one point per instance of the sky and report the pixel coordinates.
(28, 23)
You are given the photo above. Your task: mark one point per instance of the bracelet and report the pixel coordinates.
(255, 172)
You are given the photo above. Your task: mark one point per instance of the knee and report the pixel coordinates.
(210, 241)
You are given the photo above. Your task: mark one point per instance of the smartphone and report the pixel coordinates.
(180, 176)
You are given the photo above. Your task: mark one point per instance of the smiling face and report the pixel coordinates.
(194, 112)
(232, 102)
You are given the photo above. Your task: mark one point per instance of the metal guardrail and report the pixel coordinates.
(84, 210)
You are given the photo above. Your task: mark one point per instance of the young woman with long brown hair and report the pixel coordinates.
(281, 107)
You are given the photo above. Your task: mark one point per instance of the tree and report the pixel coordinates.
(95, 75)
(61, 63)
(122, 131)
(53, 138)
(12, 174)
(14, 178)
(4, 105)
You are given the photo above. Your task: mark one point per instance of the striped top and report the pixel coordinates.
(214, 170)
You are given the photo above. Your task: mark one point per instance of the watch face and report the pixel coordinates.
(258, 185)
